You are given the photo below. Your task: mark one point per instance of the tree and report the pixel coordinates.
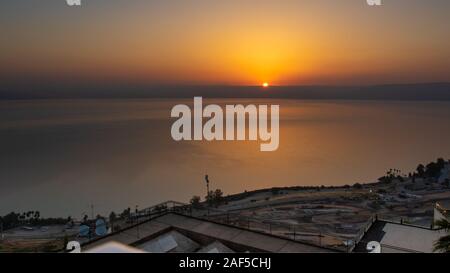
(66, 240)
(210, 198)
(420, 170)
(443, 244)
(218, 196)
(432, 170)
(22, 217)
(70, 222)
(126, 213)
(29, 214)
(112, 217)
(214, 197)
(195, 201)
(441, 163)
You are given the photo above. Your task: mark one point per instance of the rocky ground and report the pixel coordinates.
(334, 216)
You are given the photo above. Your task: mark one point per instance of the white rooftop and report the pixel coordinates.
(172, 241)
(403, 238)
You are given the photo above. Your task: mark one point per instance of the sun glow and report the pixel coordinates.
(266, 84)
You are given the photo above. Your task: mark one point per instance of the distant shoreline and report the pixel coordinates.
(394, 92)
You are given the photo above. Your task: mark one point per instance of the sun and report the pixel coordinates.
(266, 84)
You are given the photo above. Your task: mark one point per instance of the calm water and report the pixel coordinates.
(61, 156)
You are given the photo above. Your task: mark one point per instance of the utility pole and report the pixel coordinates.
(207, 184)
(92, 211)
(137, 221)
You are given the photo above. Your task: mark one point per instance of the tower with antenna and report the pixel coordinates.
(207, 185)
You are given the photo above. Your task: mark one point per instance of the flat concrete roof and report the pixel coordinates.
(131, 235)
(171, 241)
(215, 247)
(400, 238)
(220, 232)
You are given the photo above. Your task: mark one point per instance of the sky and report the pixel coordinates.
(233, 42)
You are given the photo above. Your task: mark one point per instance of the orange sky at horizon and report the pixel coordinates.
(231, 43)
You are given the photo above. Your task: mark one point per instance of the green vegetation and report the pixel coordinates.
(215, 198)
(195, 201)
(443, 244)
(432, 171)
(391, 174)
(434, 168)
(32, 218)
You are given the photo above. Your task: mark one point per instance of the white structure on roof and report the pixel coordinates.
(114, 247)
(374, 247)
(403, 238)
(172, 241)
(215, 247)
(440, 213)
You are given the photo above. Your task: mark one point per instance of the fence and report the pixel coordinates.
(288, 231)
(268, 226)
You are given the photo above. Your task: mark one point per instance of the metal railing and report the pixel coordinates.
(283, 230)
(294, 232)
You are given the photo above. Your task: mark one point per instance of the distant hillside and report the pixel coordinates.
(425, 91)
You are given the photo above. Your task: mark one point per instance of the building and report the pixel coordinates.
(440, 212)
(390, 237)
(172, 232)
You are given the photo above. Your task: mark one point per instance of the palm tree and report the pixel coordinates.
(443, 244)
